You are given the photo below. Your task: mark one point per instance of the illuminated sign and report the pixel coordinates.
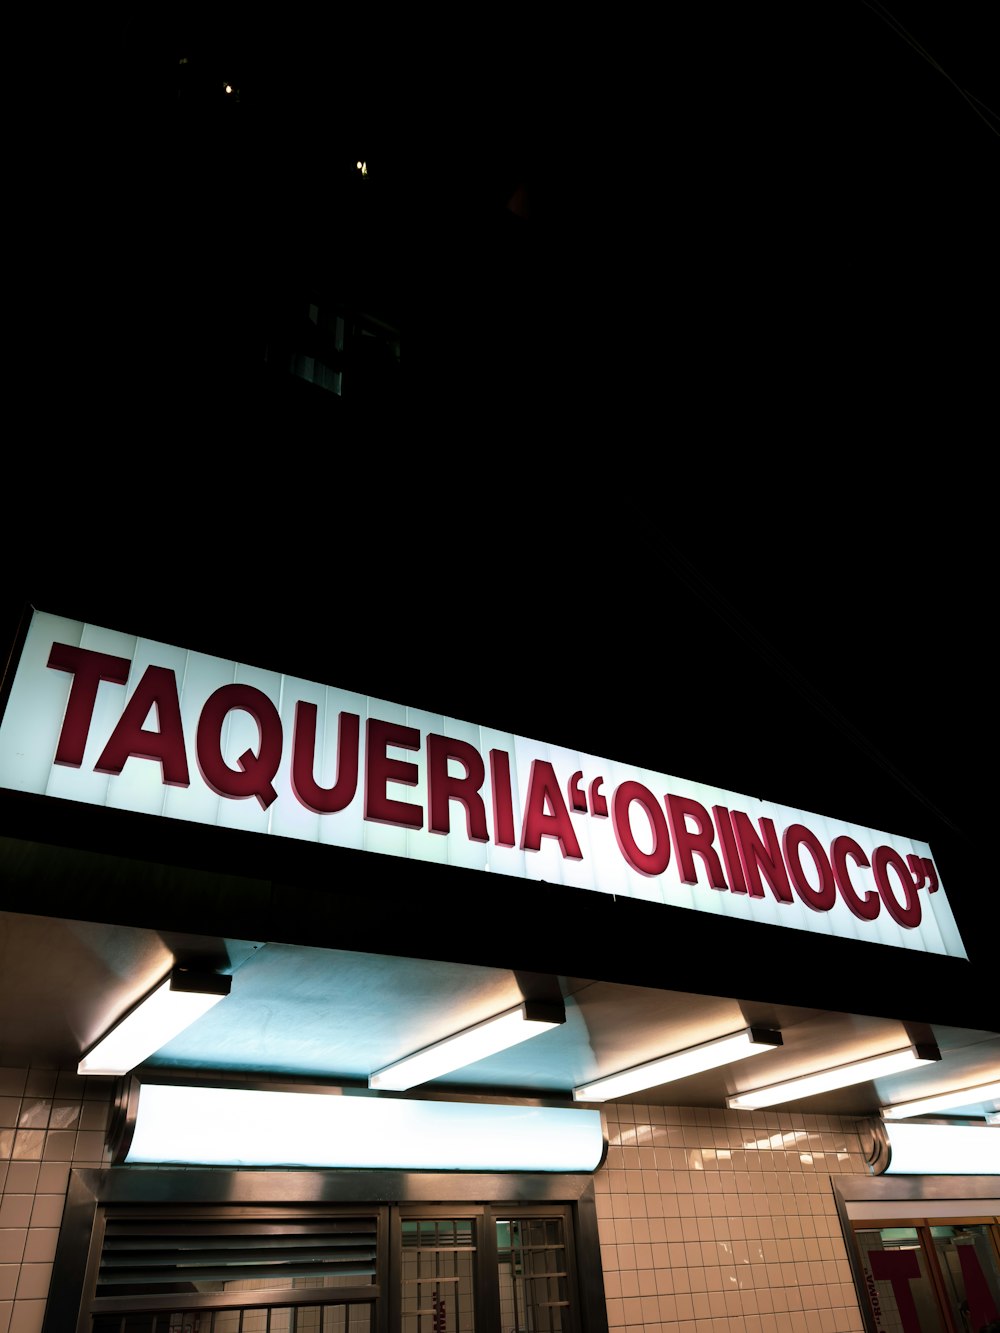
(917, 1149)
(246, 1127)
(102, 717)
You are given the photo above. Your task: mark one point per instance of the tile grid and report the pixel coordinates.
(725, 1221)
(709, 1221)
(50, 1121)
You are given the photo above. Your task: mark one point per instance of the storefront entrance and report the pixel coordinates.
(925, 1251)
(166, 1264)
(941, 1278)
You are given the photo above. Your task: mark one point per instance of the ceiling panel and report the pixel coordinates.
(334, 1016)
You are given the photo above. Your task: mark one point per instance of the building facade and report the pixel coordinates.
(691, 1217)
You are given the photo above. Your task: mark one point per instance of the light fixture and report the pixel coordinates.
(167, 1010)
(679, 1064)
(248, 1127)
(840, 1076)
(943, 1101)
(939, 1150)
(469, 1045)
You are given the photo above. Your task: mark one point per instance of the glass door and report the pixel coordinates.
(922, 1278)
(967, 1258)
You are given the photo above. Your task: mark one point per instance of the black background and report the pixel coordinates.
(689, 471)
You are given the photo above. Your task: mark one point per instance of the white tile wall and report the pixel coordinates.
(726, 1221)
(710, 1221)
(49, 1121)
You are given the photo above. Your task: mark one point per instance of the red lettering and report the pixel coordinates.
(819, 899)
(574, 791)
(866, 908)
(679, 810)
(158, 688)
(932, 887)
(324, 800)
(730, 852)
(443, 787)
(380, 769)
(907, 914)
(761, 854)
(256, 772)
(647, 863)
(503, 803)
(554, 822)
(923, 872)
(982, 1303)
(88, 670)
(898, 1267)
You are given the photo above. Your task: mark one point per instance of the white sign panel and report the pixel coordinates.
(243, 1127)
(105, 718)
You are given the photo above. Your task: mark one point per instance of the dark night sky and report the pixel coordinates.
(691, 478)
(743, 199)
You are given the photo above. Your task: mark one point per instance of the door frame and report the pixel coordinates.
(874, 1201)
(92, 1191)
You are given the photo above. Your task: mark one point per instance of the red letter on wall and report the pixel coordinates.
(761, 854)
(982, 1306)
(647, 863)
(866, 908)
(819, 899)
(88, 670)
(503, 803)
(158, 688)
(380, 769)
(897, 1267)
(905, 914)
(730, 851)
(324, 800)
(256, 771)
(442, 787)
(679, 810)
(539, 823)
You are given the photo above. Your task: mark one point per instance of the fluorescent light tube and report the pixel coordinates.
(472, 1044)
(942, 1101)
(943, 1150)
(167, 1010)
(841, 1076)
(692, 1060)
(247, 1127)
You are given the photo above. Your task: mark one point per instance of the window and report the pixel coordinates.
(931, 1278)
(271, 1252)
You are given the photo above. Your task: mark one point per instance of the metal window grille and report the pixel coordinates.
(534, 1293)
(438, 1261)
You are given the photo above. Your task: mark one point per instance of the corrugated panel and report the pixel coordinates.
(160, 1255)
